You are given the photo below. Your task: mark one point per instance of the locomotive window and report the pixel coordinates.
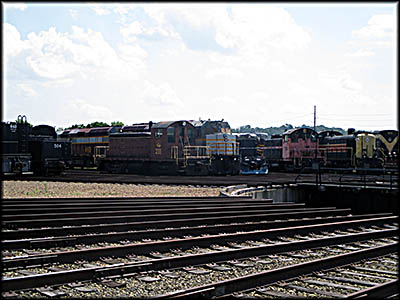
(286, 138)
(171, 134)
(294, 138)
(158, 133)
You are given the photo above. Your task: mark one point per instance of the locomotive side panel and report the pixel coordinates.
(388, 147)
(299, 147)
(128, 145)
(338, 151)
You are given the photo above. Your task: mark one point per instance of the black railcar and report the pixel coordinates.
(251, 159)
(15, 155)
(49, 156)
(28, 149)
(338, 150)
(388, 147)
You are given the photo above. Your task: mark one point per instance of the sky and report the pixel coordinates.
(258, 64)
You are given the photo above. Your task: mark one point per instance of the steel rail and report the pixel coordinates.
(135, 218)
(145, 248)
(25, 208)
(160, 233)
(250, 180)
(148, 210)
(155, 224)
(56, 202)
(62, 277)
(378, 292)
(285, 273)
(107, 199)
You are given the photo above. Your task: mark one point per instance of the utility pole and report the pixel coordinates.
(315, 116)
(316, 165)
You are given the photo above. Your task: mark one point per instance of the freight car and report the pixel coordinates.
(30, 149)
(172, 147)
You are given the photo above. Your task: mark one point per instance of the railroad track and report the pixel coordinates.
(273, 178)
(210, 246)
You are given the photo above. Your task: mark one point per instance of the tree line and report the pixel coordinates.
(93, 125)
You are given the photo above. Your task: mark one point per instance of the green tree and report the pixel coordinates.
(117, 123)
(76, 126)
(97, 124)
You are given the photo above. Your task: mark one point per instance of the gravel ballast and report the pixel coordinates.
(50, 189)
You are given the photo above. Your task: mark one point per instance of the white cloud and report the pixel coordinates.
(94, 112)
(347, 82)
(73, 13)
(299, 89)
(101, 11)
(134, 55)
(379, 26)
(14, 44)
(15, 5)
(261, 26)
(251, 32)
(224, 100)
(130, 31)
(340, 81)
(55, 55)
(224, 72)
(162, 95)
(58, 83)
(260, 95)
(361, 53)
(27, 90)
(380, 32)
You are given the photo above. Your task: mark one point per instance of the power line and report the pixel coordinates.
(344, 115)
(357, 120)
(292, 118)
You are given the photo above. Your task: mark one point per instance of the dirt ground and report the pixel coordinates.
(49, 189)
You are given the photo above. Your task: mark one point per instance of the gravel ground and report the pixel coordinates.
(48, 189)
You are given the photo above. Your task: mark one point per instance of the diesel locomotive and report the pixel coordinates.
(360, 149)
(173, 147)
(28, 149)
(294, 149)
(301, 147)
(88, 144)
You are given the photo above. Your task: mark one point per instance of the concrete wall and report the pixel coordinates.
(360, 200)
(282, 194)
